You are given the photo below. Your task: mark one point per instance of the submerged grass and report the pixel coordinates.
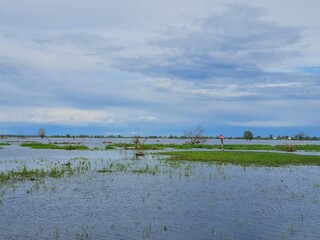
(147, 170)
(31, 174)
(56, 171)
(245, 158)
(117, 167)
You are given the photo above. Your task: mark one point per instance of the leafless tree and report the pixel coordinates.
(138, 142)
(41, 133)
(195, 136)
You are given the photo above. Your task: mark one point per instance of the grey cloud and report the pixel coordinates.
(237, 42)
(226, 56)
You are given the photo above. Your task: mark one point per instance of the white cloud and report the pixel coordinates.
(262, 124)
(146, 119)
(69, 116)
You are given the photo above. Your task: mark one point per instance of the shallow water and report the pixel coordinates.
(178, 201)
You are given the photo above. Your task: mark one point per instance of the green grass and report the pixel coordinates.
(307, 147)
(110, 147)
(245, 158)
(36, 145)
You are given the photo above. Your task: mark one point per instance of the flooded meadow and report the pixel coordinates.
(114, 194)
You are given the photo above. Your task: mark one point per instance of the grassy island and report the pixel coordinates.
(245, 158)
(36, 145)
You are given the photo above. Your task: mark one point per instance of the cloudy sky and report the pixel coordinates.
(160, 67)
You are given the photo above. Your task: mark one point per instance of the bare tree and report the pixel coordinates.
(300, 136)
(139, 145)
(139, 142)
(195, 136)
(41, 133)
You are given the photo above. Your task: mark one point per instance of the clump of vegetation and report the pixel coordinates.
(289, 148)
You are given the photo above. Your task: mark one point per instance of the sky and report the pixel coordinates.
(144, 67)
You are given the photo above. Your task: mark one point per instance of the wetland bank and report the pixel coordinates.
(93, 193)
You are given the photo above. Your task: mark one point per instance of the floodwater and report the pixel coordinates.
(166, 201)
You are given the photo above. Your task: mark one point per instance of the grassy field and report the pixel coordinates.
(245, 158)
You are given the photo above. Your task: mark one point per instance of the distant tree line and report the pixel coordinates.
(193, 136)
